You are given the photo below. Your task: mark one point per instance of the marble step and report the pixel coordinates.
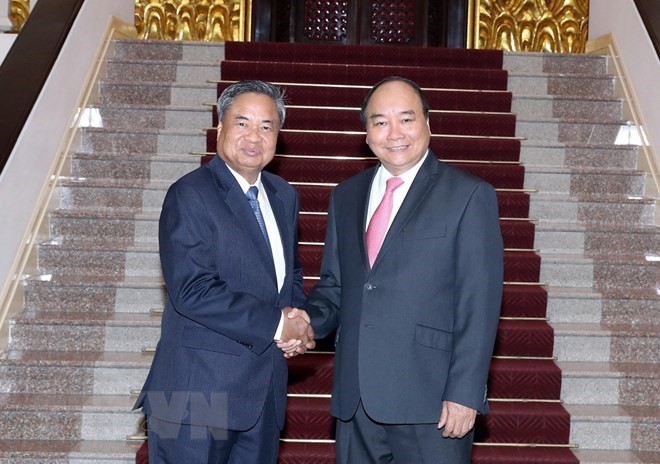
(611, 306)
(157, 93)
(162, 141)
(209, 52)
(127, 116)
(575, 181)
(603, 383)
(597, 239)
(566, 130)
(133, 166)
(127, 224)
(103, 193)
(75, 331)
(564, 63)
(587, 456)
(73, 372)
(620, 209)
(615, 428)
(607, 342)
(94, 294)
(161, 70)
(582, 85)
(68, 417)
(68, 451)
(603, 271)
(558, 106)
(555, 154)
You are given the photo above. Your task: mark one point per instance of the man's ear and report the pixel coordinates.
(217, 133)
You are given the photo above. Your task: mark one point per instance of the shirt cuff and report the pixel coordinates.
(280, 328)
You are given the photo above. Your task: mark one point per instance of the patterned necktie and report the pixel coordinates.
(251, 195)
(380, 220)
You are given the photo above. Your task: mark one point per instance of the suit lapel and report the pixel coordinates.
(238, 204)
(420, 187)
(362, 209)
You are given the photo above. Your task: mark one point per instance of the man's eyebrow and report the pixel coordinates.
(240, 117)
(404, 112)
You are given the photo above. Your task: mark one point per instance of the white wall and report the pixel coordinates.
(621, 19)
(5, 24)
(26, 173)
(6, 41)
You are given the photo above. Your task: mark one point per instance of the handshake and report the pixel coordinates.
(297, 333)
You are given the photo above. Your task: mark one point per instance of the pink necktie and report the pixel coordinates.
(380, 220)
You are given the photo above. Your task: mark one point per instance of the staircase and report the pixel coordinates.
(83, 344)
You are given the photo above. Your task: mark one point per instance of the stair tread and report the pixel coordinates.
(575, 98)
(87, 318)
(587, 456)
(77, 358)
(597, 198)
(542, 224)
(63, 402)
(615, 413)
(596, 329)
(550, 144)
(62, 448)
(619, 370)
(593, 292)
(583, 170)
(601, 258)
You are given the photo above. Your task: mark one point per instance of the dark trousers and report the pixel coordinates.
(191, 444)
(361, 440)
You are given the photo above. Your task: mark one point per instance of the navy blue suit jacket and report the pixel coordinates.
(216, 357)
(419, 327)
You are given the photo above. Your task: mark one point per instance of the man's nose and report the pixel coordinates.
(394, 132)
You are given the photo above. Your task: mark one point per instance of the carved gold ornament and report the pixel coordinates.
(201, 20)
(558, 26)
(19, 10)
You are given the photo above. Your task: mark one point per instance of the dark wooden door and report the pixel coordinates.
(435, 23)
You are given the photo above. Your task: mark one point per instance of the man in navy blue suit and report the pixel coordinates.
(216, 391)
(411, 280)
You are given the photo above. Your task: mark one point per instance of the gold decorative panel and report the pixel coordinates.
(19, 11)
(201, 20)
(559, 26)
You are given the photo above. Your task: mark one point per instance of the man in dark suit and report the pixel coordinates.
(216, 391)
(412, 282)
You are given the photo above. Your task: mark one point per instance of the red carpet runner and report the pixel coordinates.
(323, 143)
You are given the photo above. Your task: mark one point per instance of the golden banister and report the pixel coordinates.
(18, 13)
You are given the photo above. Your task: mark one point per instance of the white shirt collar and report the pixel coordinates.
(382, 175)
(244, 184)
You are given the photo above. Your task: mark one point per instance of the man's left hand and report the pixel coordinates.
(457, 419)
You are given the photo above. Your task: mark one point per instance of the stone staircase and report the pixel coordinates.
(600, 253)
(81, 347)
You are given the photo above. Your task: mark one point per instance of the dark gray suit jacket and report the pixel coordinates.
(419, 327)
(216, 356)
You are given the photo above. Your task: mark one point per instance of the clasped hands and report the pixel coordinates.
(297, 333)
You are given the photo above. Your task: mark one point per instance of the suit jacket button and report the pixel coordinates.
(369, 287)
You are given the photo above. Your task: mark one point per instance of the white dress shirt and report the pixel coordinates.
(378, 190)
(273, 234)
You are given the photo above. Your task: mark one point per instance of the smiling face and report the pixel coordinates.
(247, 134)
(398, 133)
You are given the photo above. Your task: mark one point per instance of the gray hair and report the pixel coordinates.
(228, 96)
